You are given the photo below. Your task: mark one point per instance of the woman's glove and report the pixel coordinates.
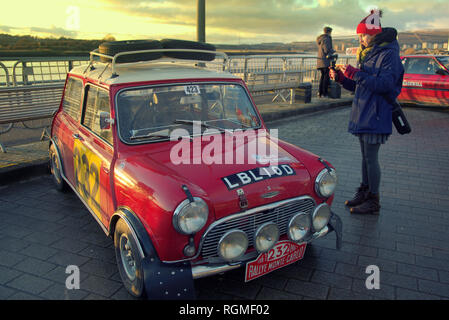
(349, 71)
(337, 75)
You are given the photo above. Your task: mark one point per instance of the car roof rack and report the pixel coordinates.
(224, 65)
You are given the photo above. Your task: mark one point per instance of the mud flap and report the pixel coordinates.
(336, 225)
(166, 281)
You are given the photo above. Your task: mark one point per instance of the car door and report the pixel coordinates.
(442, 81)
(420, 80)
(67, 123)
(93, 154)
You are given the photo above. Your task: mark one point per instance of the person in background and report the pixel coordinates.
(325, 51)
(376, 82)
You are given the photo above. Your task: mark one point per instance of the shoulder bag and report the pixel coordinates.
(397, 116)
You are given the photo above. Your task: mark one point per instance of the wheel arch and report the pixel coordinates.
(52, 142)
(138, 231)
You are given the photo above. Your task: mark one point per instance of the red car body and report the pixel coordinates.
(120, 179)
(426, 80)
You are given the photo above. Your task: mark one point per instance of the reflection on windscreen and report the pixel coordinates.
(152, 113)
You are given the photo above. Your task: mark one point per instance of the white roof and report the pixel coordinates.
(148, 71)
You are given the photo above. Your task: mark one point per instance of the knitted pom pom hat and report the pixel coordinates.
(371, 23)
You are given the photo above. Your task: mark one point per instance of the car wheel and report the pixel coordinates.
(56, 171)
(185, 44)
(128, 259)
(113, 47)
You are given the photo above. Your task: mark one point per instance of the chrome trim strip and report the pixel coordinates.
(208, 270)
(320, 234)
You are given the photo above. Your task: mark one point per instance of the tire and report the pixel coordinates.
(184, 44)
(113, 47)
(128, 260)
(4, 128)
(56, 171)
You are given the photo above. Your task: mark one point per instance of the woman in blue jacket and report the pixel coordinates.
(377, 82)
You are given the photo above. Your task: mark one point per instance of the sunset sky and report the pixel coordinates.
(230, 21)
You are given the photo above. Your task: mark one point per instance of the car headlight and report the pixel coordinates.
(299, 227)
(232, 245)
(321, 216)
(266, 237)
(325, 183)
(190, 217)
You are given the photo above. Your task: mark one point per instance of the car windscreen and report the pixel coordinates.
(444, 61)
(152, 113)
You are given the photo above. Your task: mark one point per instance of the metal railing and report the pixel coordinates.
(35, 71)
(31, 88)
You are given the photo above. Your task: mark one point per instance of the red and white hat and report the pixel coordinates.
(370, 24)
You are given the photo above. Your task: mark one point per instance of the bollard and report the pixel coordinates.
(304, 92)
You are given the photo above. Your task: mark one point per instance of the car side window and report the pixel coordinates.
(72, 97)
(97, 101)
(421, 66)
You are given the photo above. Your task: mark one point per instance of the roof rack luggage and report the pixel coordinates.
(166, 50)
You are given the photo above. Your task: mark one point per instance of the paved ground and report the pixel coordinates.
(43, 231)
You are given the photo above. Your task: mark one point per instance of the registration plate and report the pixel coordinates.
(282, 254)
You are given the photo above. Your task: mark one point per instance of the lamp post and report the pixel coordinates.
(201, 21)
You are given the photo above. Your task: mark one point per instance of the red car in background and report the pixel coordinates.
(426, 80)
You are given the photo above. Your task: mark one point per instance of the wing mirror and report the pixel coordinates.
(105, 120)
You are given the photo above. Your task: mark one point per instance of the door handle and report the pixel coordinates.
(77, 136)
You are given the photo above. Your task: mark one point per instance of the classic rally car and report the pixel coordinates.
(426, 80)
(168, 152)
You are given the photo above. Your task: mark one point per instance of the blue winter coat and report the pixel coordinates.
(381, 75)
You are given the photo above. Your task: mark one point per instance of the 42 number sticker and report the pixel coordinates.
(192, 89)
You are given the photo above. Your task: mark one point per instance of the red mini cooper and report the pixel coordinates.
(168, 152)
(426, 80)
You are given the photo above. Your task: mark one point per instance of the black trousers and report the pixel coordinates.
(324, 81)
(370, 166)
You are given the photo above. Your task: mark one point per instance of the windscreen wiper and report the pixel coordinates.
(202, 123)
(150, 135)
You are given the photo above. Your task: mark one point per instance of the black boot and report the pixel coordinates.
(369, 206)
(359, 196)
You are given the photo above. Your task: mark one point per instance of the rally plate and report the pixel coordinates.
(281, 255)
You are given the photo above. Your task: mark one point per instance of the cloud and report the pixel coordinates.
(250, 21)
(265, 20)
(39, 31)
(54, 31)
(6, 29)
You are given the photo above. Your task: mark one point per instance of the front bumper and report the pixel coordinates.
(175, 281)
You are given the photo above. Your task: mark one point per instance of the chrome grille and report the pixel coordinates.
(249, 223)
